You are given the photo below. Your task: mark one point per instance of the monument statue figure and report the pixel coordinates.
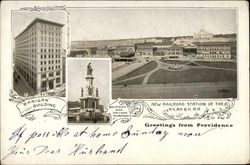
(82, 91)
(90, 90)
(96, 91)
(89, 69)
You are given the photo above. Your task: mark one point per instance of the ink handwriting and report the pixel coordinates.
(26, 141)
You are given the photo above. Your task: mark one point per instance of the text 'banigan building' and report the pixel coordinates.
(38, 55)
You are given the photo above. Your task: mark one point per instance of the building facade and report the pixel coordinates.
(78, 53)
(38, 55)
(125, 48)
(218, 50)
(169, 52)
(102, 52)
(145, 49)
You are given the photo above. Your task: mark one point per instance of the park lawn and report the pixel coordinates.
(232, 65)
(162, 76)
(119, 67)
(135, 81)
(144, 69)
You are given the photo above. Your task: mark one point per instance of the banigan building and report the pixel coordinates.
(38, 55)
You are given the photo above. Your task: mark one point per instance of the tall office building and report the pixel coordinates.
(38, 55)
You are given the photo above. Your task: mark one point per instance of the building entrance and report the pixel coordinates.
(51, 84)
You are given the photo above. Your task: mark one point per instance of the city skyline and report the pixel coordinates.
(126, 23)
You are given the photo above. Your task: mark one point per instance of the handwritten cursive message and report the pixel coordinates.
(22, 136)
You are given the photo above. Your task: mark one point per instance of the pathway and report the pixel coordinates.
(165, 66)
(126, 69)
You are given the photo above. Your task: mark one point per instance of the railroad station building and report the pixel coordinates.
(145, 49)
(170, 52)
(124, 48)
(217, 50)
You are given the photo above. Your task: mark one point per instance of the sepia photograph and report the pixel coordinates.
(88, 88)
(124, 82)
(161, 53)
(39, 51)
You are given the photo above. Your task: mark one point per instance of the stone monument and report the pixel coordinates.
(90, 110)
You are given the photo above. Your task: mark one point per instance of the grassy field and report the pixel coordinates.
(132, 82)
(232, 65)
(167, 91)
(144, 69)
(119, 67)
(162, 76)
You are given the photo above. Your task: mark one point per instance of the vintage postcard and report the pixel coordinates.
(124, 82)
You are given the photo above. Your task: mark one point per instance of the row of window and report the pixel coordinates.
(33, 55)
(23, 54)
(25, 41)
(216, 56)
(44, 38)
(29, 33)
(32, 33)
(214, 52)
(32, 50)
(26, 64)
(50, 27)
(168, 53)
(44, 85)
(49, 68)
(50, 50)
(26, 46)
(50, 62)
(50, 33)
(51, 74)
(44, 56)
(148, 53)
(49, 44)
(225, 49)
(32, 44)
(33, 62)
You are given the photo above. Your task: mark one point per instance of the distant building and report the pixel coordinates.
(217, 50)
(125, 56)
(145, 49)
(38, 55)
(102, 51)
(202, 34)
(169, 52)
(78, 53)
(90, 50)
(125, 48)
(190, 50)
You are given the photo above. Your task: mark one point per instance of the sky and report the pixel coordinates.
(122, 23)
(21, 19)
(77, 71)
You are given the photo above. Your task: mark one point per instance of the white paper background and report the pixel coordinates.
(228, 145)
